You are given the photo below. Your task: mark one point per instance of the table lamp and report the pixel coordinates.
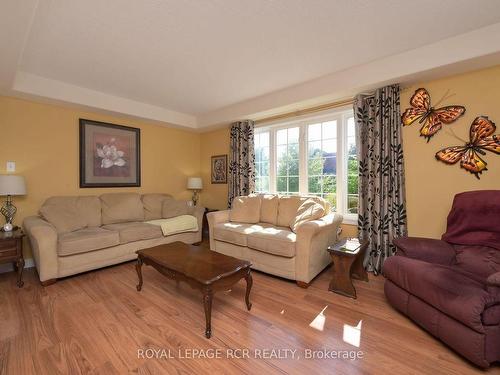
(195, 184)
(10, 185)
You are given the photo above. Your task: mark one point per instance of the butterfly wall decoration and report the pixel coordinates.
(431, 118)
(481, 139)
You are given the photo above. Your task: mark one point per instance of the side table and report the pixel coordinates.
(204, 230)
(11, 251)
(347, 256)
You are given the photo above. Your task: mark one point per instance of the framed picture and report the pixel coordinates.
(219, 169)
(110, 155)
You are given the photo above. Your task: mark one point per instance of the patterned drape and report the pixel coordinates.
(382, 207)
(241, 160)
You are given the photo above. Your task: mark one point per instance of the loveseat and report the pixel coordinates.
(82, 233)
(286, 236)
(451, 287)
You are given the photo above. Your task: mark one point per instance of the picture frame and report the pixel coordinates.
(110, 155)
(219, 169)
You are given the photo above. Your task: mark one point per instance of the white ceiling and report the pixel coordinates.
(185, 61)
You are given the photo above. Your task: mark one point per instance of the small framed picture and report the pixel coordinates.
(110, 155)
(219, 169)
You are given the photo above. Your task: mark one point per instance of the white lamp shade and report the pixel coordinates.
(12, 185)
(194, 183)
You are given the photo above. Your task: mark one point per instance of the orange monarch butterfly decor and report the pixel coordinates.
(481, 139)
(431, 118)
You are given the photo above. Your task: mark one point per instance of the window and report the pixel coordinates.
(315, 156)
(261, 161)
(322, 160)
(287, 171)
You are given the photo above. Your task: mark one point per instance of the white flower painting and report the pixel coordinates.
(110, 155)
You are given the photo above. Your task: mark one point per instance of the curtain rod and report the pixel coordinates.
(305, 111)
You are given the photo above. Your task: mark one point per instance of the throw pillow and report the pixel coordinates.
(308, 210)
(174, 208)
(245, 209)
(269, 208)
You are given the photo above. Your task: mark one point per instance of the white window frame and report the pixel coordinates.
(340, 115)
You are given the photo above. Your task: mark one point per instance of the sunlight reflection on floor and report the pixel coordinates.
(319, 322)
(352, 334)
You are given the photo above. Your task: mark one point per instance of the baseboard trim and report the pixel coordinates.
(28, 263)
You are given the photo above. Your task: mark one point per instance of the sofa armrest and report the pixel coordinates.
(313, 238)
(213, 219)
(43, 240)
(426, 249)
(198, 212)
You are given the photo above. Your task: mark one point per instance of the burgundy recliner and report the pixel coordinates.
(451, 287)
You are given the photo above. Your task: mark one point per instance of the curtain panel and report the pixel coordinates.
(382, 207)
(241, 160)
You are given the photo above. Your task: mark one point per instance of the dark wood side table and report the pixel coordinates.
(347, 265)
(11, 251)
(204, 230)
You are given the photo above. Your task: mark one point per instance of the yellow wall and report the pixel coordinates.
(213, 143)
(431, 185)
(43, 141)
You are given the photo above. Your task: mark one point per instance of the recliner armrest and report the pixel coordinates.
(426, 249)
(493, 285)
(494, 280)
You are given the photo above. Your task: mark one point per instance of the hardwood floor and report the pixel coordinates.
(97, 323)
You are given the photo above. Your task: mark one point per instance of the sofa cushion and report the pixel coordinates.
(245, 209)
(135, 231)
(84, 240)
(308, 210)
(289, 204)
(67, 214)
(269, 208)
(273, 240)
(287, 209)
(63, 214)
(491, 316)
(153, 204)
(173, 208)
(235, 233)
(447, 289)
(480, 260)
(121, 207)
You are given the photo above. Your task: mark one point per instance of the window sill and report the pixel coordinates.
(350, 219)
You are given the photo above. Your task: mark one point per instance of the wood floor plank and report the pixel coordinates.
(96, 323)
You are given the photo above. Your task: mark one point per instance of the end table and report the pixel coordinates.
(11, 251)
(347, 256)
(204, 230)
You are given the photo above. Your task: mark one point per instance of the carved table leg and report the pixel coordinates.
(207, 304)
(20, 268)
(341, 282)
(248, 279)
(138, 268)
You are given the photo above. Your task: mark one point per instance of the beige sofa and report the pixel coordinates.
(78, 234)
(277, 234)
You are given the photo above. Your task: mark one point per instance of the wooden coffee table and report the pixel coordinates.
(203, 269)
